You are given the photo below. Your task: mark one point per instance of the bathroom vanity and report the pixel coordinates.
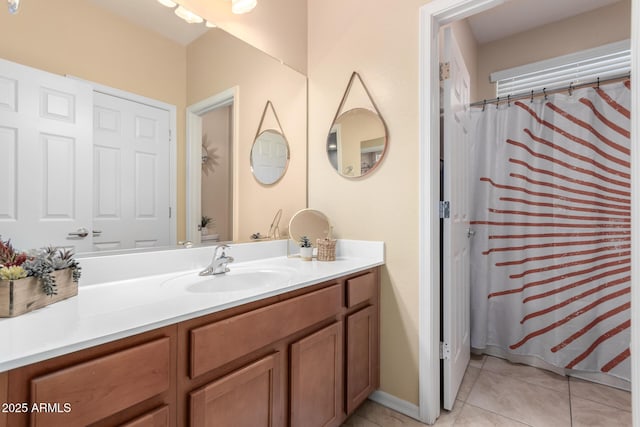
(300, 350)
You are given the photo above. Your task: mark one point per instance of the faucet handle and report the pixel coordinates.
(223, 247)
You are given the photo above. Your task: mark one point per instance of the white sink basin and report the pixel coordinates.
(238, 279)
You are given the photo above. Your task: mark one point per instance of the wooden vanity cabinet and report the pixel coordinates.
(131, 381)
(306, 358)
(362, 361)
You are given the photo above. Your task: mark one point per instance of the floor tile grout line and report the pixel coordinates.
(497, 413)
(516, 378)
(524, 381)
(600, 402)
(473, 384)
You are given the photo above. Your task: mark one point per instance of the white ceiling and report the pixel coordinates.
(516, 16)
(153, 16)
(513, 17)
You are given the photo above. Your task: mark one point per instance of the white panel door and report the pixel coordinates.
(456, 304)
(269, 157)
(131, 174)
(45, 158)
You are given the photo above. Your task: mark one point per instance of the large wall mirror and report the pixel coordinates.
(141, 48)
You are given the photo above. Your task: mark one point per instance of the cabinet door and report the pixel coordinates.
(248, 397)
(156, 418)
(316, 379)
(362, 356)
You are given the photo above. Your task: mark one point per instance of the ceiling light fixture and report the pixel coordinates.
(168, 3)
(188, 16)
(242, 6)
(14, 5)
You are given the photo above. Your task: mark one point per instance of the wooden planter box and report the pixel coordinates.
(23, 295)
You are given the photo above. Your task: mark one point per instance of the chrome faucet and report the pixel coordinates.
(219, 262)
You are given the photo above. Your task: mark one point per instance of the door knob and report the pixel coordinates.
(80, 233)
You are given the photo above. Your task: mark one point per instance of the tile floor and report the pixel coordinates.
(495, 392)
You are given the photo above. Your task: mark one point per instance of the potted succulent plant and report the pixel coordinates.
(35, 279)
(306, 250)
(204, 223)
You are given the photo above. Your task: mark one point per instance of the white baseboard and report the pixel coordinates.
(385, 399)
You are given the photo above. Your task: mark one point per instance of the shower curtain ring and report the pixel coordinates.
(484, 104)
(571, 89)
(532, 95)
(544, 90)
(509, 100)
(497, 102)
(598, 83)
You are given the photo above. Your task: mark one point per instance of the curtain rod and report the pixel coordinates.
(544, 92)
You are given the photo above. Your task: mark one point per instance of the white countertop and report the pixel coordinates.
(120, 296)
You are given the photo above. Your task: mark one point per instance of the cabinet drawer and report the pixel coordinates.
(156, 418)
(221, 342)
(104, 386)
(360, 289)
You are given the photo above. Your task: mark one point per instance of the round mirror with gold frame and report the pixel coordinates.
(357, 142)
(269, 157)
(311, 223)
(358, 138)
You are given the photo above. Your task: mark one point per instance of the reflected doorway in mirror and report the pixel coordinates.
(211, 134)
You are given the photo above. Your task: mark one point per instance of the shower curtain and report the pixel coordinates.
(550, 260)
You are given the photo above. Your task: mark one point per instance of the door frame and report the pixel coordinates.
(433, 15)
(173, 142)
(194, 160)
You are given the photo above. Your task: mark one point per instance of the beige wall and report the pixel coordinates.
(218, 61)
(381, 43)
(598, 27)
(77, 38)
(277, 27)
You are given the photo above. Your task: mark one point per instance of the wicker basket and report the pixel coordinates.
(326, 249)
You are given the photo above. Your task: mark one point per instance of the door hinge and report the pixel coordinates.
(445, 210)
(445, 71)
(170, 136)
(169, 211)
(445, 351)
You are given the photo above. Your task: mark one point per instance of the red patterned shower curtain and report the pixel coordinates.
(550, 273)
